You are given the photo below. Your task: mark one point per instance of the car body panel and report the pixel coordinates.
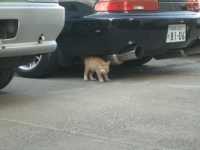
(31, 26)
(105, 33)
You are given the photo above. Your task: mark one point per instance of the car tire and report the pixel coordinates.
(137, 62)
(5, 77)
(42, 66)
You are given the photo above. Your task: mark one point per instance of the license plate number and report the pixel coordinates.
(176, 33)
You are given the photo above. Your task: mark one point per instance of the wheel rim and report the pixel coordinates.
(33, 64)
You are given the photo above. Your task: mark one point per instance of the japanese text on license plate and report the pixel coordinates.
(176, 33)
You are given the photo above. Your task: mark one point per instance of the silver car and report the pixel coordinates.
(27, 28)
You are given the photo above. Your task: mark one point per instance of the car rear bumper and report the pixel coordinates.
(119, 30)
(34, 20)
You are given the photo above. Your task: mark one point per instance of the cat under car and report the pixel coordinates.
(98, 65)
(101, 67)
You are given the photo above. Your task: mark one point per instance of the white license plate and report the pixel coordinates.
(176, 33)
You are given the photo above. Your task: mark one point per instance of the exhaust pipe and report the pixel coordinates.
(128, 53)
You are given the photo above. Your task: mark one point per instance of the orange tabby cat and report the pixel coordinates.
(98, 65)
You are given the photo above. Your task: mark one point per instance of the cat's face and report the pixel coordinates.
(104, 68)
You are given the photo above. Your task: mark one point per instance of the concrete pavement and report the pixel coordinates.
(156, 106)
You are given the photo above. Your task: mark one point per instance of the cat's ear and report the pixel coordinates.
(108, 62)
(98, 62)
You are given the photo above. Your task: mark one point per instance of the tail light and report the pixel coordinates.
(126, 5)
(193, 5)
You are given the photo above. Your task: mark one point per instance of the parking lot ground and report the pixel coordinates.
(155, 106)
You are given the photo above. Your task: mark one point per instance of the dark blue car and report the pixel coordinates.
(129, 32)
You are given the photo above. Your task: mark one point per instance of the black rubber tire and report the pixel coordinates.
(5, 77)
(137, 62)
(46, 67)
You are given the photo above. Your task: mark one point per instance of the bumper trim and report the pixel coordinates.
(27, 49)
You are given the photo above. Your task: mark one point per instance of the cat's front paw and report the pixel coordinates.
(102, 81)
(85, 78)
(108, 80)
